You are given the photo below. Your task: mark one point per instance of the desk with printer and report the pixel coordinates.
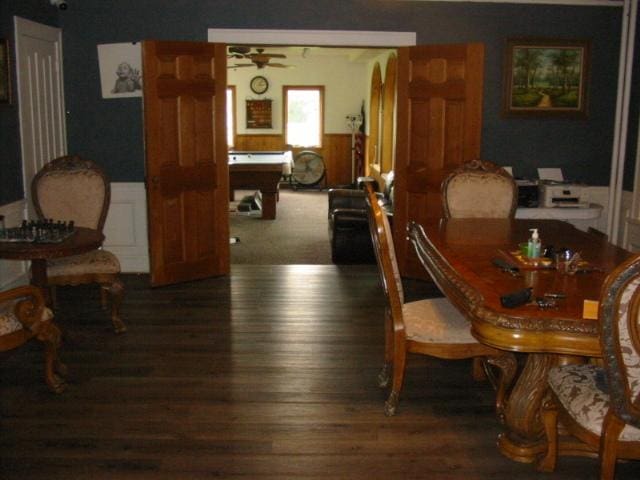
(551, 197)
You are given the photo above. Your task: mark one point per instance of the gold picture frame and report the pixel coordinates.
(5, 72)
(546, 78)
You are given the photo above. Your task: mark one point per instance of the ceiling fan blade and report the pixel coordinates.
(265, 56)
(241, 65)
(280, 65)
(239, 49)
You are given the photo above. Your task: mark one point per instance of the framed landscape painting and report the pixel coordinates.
(5, 74)
(546, 78)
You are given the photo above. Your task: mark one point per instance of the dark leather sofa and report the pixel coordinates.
(349, 223)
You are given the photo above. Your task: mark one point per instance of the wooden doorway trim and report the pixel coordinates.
(375, 104)
(389, 114)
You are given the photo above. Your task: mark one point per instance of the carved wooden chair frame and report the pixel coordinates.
(36, 319)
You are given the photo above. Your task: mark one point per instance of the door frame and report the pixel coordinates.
(327, 38)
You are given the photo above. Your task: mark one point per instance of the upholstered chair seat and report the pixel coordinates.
(8, 321)
(74, 189)
(581, 389)
(95, 262)
(600, 406)
(24, 316)
(435, 320)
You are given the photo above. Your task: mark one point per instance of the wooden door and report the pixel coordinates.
(438, 128)
(187, 176)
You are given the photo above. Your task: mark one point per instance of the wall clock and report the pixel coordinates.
(259, 85)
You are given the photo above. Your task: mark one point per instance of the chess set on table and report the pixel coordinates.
(40, 231)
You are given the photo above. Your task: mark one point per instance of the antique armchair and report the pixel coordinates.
(72, 188)
(479, 189)
(430, 327)
(600, 405)
(23, 316)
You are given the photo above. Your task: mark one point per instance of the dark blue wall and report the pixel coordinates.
(10, 167)
(110, 131)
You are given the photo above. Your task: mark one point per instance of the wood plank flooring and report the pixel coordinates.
(267, 374)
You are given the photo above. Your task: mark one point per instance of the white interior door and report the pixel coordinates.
(40, 97)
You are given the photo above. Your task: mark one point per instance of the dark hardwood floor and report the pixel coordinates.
(270, 373)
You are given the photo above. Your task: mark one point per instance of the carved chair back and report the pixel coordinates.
(620, 339)
(382, 239)
(479, 189)
(72, 188)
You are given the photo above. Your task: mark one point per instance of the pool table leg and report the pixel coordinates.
(268, 205)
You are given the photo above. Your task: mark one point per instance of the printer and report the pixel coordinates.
(563, 194)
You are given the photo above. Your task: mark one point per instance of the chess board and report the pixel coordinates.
(42, 231)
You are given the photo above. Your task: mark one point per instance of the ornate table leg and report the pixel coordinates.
(524, 439)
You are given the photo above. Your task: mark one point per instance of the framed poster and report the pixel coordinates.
(5, 72)
(120, 70)
(259, 114)
(546, 78)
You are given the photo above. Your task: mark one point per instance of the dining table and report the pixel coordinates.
(81, 240)
(479, 265)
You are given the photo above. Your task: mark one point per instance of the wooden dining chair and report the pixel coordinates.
(73, 188)
(600, 405)
(479, 189)
(431, 327)
(24, 316)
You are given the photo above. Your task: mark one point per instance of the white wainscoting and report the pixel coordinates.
(126, 227)
(632, 225)
(125, 233)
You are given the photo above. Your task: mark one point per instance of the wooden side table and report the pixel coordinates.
(83, 240)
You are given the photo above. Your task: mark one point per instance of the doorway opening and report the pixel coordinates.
(300, 230)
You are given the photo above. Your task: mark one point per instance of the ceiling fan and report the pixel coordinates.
(259, 58)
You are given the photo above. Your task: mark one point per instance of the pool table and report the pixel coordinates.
(259, 171)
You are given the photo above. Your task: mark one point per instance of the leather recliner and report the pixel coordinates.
(349, 232)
